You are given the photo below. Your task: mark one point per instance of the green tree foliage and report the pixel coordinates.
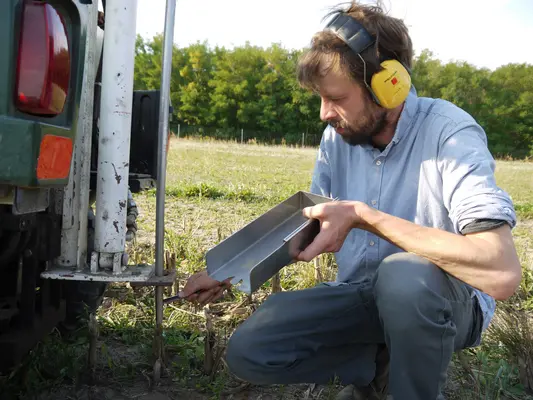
(500, 100)
(255, 89)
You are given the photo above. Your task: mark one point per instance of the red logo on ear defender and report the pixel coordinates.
(394, 81)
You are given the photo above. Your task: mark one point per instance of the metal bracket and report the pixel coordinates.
(136, 275)
(30, 200)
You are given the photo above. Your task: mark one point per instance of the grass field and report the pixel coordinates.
(213, 190)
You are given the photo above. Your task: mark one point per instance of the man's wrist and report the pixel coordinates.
(365, 216)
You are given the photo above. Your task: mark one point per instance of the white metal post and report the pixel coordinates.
(94, 49)
(115, 132)
(73, 233)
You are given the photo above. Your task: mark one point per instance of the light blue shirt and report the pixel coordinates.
(436, 172)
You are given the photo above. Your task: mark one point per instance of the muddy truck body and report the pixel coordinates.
(76, 141)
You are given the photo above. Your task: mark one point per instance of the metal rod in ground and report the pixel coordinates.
(164, 102)
(276, 283)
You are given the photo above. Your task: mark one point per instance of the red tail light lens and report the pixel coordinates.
(43, 69)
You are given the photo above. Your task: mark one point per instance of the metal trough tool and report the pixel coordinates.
(255, 253)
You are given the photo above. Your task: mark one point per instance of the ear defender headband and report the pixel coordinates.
(388, 87)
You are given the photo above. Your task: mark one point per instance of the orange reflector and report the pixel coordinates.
(54, 157)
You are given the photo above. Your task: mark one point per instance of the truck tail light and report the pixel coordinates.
(43, 67)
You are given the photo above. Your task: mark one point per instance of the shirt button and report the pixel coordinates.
(374, 202)
(372, 243)
(378, 162)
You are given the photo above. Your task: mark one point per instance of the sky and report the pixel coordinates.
(485, 33)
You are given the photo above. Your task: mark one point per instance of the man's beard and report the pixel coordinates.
(367, 127)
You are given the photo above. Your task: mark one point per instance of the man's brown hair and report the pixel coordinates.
(328, 52)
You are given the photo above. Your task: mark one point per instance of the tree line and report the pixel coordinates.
(220, 91)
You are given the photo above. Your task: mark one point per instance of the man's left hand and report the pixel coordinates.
(336, 218)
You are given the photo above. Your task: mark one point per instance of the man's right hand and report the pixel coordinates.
(202, 289)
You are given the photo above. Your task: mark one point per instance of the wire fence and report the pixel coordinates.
(302, 139)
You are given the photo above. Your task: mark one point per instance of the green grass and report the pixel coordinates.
(264, 171)
(516, 178)
(213, 190)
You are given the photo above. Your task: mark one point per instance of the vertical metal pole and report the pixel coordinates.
(69, 229)
(164, 101)
(115, 133)
(86, 113)
(74, 227)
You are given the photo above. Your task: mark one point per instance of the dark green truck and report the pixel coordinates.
(42, 69)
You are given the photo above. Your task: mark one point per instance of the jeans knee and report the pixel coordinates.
(238, 354)
(407, 290)
(252, 353)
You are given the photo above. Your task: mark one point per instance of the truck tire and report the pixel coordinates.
(83, 298)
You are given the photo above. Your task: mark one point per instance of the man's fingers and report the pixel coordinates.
(310, 212)
(318, 246)
(219, 294)
(201, 288)
(315, 212)
(206, 295)
(188, 290)
(215, 294)
(190, 287)
(198, 282)
(192, 298)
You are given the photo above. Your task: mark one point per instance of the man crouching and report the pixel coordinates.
(421, 232)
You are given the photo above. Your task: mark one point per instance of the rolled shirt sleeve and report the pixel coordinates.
(470, 192)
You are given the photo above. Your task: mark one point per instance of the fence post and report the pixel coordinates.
(303, 139)
(242, 135)
(179, 126)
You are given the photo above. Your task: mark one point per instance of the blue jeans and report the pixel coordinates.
(329, 332)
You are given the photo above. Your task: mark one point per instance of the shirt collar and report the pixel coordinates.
(410, 109)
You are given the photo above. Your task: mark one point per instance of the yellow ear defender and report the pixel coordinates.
(390, 86)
